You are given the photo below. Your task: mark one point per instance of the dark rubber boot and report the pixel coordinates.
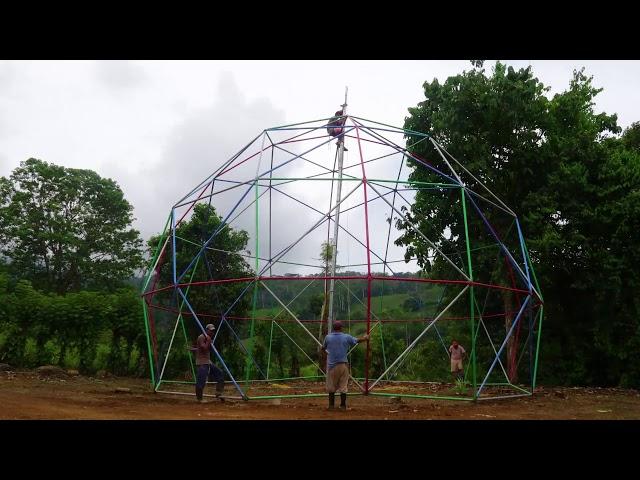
(199, 392)
(220, 391)
(332, 401)
(343, 401)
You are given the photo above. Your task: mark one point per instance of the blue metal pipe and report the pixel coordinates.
(513, 325)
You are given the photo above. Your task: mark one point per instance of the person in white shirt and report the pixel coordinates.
(457, 354)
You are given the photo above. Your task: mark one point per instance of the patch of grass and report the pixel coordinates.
(102, 354)
(460, 387)
(72, 359)
(30, 352)
(308, 371)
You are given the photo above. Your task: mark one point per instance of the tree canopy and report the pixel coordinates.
(222, 259)
(574, 184)
(67, 229)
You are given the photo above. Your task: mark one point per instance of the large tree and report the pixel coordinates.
(223, 258)
(559, 165)
(66, 229)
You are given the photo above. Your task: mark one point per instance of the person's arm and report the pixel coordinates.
(363, 338)
(324, 345)
(204, 342)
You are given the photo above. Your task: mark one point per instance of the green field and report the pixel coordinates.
(391, 306)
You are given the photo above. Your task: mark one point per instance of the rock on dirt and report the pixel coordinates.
(123, 390)
(560, 394)
(51, 371)
(395, 400)
(73, 373)
(5, 367)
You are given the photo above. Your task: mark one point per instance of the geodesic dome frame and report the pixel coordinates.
(289, 166)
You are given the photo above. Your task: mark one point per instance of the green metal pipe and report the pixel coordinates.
(471, 293)
(535, 279)
(270, 343)
(402, 130)
(372, 180)
(434, 397)
(413, 182)
(146, 325)
(156, 253)
(184, 331)
(535, 365)
(519, 388)
(504, 397)
(255, 286)
(349, 178)
(300, 123)
(293, 395)
(259, 380)
(384, 356)
(474, 338)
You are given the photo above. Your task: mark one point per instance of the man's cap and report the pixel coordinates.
(337, 325)
(210, 327)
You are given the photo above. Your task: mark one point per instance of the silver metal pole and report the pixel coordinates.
(168, 350)
(336, 223)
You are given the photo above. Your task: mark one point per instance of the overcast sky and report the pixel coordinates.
(160, 127)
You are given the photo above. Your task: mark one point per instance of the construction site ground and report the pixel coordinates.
(27, 395)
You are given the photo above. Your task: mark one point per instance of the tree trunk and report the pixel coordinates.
(280, 362)
(128, 357)
(507, 297)
(295, 366)
(63, 353)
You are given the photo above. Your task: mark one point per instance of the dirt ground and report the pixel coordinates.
(24, 395)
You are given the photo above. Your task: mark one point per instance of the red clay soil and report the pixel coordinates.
(23, 395)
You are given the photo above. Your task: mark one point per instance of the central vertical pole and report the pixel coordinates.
(336, 224)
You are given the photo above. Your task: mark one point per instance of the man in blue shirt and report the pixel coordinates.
(337, 345)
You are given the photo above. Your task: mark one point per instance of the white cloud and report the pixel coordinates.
(194, 148)
(120, 74)
(7, 74)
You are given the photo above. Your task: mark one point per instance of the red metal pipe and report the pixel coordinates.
(346, 277)
(284, 320)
